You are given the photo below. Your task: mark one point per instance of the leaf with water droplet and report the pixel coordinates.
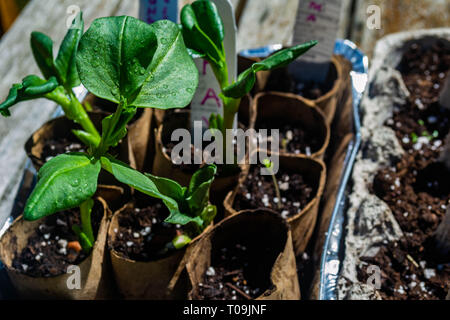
(53, 192)
(160, 63)
(119, 36)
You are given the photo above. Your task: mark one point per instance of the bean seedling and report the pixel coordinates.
(135, 65)
(61, 77)
(269, 166)
(203, 33)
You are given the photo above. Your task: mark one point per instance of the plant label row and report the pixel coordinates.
(318, 20)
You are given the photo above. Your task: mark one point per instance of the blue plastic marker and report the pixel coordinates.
(154, 10)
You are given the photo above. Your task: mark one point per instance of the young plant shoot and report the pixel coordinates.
(203, 33)
(269, 165)
(135, 65)
(193, 201)
(61, 77)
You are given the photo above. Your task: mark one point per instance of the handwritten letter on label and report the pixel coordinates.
(154, 10)
(318, 20)
(206, 99)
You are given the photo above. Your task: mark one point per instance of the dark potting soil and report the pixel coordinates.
(258, 192)
(222, 170)
(142, 234)
(48, 251)
(294, 138)
(306, 270)
(417, 188)
(424, 70)
(229, 276)
(53, 148)
(417, 191)
(281, 81)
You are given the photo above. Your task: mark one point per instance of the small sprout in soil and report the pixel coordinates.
(181, 241)
(203, 33)
(284, 144)
(60, 77)
(134, 65)
(435, 134)
(421, 122)
(269, 165)
(414, 137)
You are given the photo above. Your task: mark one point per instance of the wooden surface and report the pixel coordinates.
(9, 10)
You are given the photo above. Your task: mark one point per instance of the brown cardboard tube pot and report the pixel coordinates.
(164, 167)
(139, 129)
(114, 196)
(301, 181)
(303, 128)
(29, 251)
(137, 238)
(55, 137)
(246, 256)
(326, 97)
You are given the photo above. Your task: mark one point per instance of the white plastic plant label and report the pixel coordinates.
(316, 20)
(206, 99)
(154, 10)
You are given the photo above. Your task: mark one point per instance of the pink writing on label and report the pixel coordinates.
(205, 64)
(205, 121)
(211, 94)
(160, 9)
(311, 17)
(315, 6)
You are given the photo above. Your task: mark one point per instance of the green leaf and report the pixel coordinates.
(65, 61)
(246, 80)
(64, 182)
(202, 176)
(203, 30)
(216, 121)
(183, 219)
(173, 76)
(35, 87)
(208, 214)
(195, 54)
(181, 241)
(32, 87)
(42, 48)
(140, 182)
(192, 201)
(114, 57)
(125, 59)
(197, 196)
(168, 187)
